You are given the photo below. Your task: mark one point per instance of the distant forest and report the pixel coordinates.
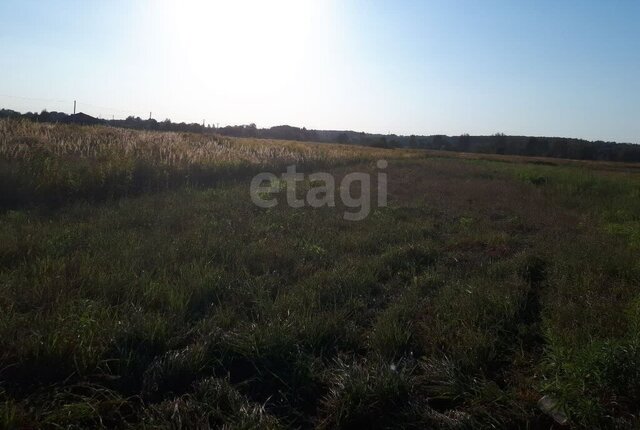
(498, 143)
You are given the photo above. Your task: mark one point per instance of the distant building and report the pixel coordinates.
(84, 119)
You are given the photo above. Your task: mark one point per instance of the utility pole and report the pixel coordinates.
(74, 107)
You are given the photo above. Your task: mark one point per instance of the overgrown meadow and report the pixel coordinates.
(141, 288)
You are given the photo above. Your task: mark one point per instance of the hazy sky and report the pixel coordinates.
(533, 67)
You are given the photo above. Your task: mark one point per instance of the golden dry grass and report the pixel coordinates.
(21, 141)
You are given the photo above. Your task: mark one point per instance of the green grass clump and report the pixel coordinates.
(213, 403)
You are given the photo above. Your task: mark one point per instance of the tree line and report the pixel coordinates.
(498, 143)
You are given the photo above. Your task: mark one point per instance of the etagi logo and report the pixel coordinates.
(322, 190)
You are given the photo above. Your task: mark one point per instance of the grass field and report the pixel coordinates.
(141, 288)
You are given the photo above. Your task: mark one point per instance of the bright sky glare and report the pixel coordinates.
(546, 67)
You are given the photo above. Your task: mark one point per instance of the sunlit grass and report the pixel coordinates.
(55, 163)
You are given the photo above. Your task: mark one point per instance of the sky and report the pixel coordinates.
(567, 68)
